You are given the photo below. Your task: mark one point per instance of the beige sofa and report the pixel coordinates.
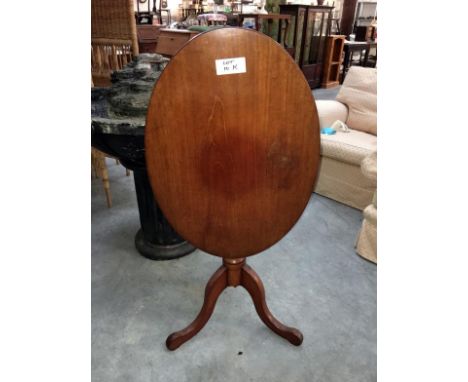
(366, 242)
(340, 177)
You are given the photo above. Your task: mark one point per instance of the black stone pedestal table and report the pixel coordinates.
(118, 118)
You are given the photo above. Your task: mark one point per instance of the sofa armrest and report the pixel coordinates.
(330, 110)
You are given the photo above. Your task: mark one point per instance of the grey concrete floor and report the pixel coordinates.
(329, 94)
(313, 279)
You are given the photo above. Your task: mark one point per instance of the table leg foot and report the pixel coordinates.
(253, 284)
(213, 289)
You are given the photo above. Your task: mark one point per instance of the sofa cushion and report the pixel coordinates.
(329, 111)
(350, 147)
(359, 93)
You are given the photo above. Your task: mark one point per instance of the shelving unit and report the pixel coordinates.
(191, 7)
(333, 61)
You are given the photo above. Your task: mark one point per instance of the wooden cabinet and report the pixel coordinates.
(333, 60)
(171, 40)
(148, 37)
(295, 36)
(365, 33)
(310, 29)
(317, 29)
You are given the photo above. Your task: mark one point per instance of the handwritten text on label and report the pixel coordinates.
(230, 66)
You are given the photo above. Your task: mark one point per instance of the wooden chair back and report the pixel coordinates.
(114, 39)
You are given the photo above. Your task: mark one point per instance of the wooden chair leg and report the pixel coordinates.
(213, 289)
(99, 163)
(105, 181)
(94, 164)
(93, 169)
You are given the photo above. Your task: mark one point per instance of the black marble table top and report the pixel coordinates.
(121, 109)
(118, 116)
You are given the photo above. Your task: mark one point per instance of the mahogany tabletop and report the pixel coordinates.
(232, 151)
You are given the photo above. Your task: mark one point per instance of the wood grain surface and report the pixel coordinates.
(232, 159)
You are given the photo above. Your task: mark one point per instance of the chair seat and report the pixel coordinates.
(350, 147)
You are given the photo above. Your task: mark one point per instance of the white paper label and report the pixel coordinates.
(230, 66)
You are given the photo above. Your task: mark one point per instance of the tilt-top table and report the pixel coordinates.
(232, 155)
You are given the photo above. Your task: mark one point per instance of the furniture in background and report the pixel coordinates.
(99, 170)
(317, 29)
(212, 19)
(366, 242)
(366, 14)
(114, 40)
(348, 12)
(118, 129)
(294, 39)
(365, 25)
(153, 15)
(312, 26)
(113, 45)
(365, 33)
(171, 40)
(189, 7)
(144, 17)
(160, 10)
(284, 25)
(233, 19)
(340, 176)
(333, 61)
(363, 48)
(148, 37)
(370, 60)
(253, 16)
(236, 7)
(335, 26)
(233, 174)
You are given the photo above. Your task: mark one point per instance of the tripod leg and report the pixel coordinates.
(213, 289)
(252, 282)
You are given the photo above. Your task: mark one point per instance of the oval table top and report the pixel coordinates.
(232, 146)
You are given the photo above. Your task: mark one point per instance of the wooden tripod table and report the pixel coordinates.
(232, 150)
